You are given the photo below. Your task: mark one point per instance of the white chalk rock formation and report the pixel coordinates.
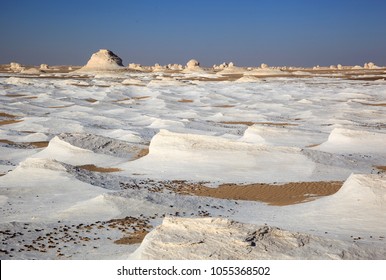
(103, 60)
(370, 65)
(175, 67)
(135, 66)
(44, 67)
(158, 68)
(263, 66)
(192, 67)
(266, 72)
(133, 82)
(223, 239)
(192, 64)
(30, 71)
(231, 68)
(15, 67)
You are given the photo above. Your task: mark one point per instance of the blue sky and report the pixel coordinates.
(302, 33)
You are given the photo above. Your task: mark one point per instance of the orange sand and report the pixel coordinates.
(280, 195)
(92, 167)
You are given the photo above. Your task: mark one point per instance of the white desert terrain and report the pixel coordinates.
(187, 162)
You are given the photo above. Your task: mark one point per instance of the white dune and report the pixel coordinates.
(223, 239)
(62, 151)
(343, 140)
(41, 190)
(209, 158)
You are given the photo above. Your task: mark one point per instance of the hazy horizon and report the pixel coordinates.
(248, 33)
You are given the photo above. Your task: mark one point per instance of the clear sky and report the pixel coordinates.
(247, 32)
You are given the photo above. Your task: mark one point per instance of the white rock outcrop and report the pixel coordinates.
(192, 64)
(30, 71)
(223, 239)
(135, 66)
(370, 65)
(15, 67)
(103, 60)
(44, 67)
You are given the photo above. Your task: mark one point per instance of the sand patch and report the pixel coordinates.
(5, 122)
(141, 97)
(277, 124)
(142, 153)
(224, 106)
(279, 195)
(134, 238)
(381, 167)
(185, 100)
(15, 95)
(312, 145)
(261, 123)
(139, 227)
(93, 168)
(37, 144)
(5, 115)
(238, 123)
(91, 100)
(374, 104)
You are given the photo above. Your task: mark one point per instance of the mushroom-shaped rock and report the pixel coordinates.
(43, 67)
(192, 64)
(370, 65)
(103, 60)
(263, 66)
(15, 67)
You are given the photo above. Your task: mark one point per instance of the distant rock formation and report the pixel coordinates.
(157, 67)
(230, 68)
(103, 60)
(370, 65)
(135, 66)
(15, 67)
(31, 71)
(175, 67)
(44, 67)
(192, 64)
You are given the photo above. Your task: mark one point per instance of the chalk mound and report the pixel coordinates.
(222, 239)
(212, 158)
(103, 60)
(42, 163)
(362, 194)
(44, 67)
(65, 152)
(343, 140)
(266, 72)
(248, 79)
(230, 68)
(133, 82)
(192, 64)
(31, 71)
(15, 67)
(370, 65)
